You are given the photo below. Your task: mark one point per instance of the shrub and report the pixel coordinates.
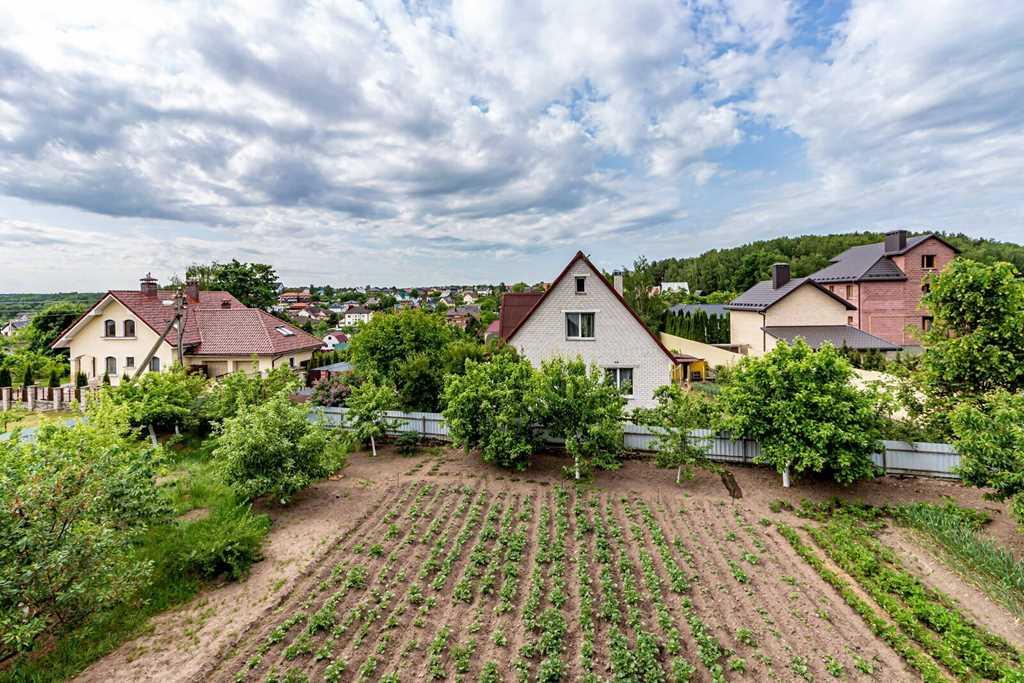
(54, 379)
(800, 406)
(408, 443)
(26, 378)
(161, 400)
(5, 377)
(73, 503)
(331, 391)
(238, 390)
(228, 541)
(273, 449)
(491, 407)
(367, 412)
(577, 403)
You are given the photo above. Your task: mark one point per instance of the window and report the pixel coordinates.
(291, 362)
(154, 364)
(579, 325)
(129, 328)
(129, 362)
(284, 331)
(926, 322)
(925, 288)
(849, 291)
(832, 288)
(109, 328)
(581, 284)
(928, 261)
(849, 320)
(111, 366)
(622, 378)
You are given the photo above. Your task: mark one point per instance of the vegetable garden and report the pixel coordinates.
(507, 581)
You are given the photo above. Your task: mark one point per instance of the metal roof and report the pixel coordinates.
(839, 335)
(867, 262)
(763, 296)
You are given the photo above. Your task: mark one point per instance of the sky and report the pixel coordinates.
(411, 143)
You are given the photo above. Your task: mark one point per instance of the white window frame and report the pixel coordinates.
(579, 325)
(617, 369)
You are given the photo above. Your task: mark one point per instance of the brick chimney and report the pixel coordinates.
(225, 303)
(147, 285)
(780, 274)
(617, 281)
(895, 241)
(192, 290)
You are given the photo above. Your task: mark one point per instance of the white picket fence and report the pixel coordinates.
(900, 457)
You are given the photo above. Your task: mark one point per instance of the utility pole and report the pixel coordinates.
(179, 313)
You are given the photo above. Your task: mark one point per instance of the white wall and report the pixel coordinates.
(620, 340)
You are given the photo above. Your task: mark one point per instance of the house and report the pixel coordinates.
(786, 308)
(12, 326)
(334, 340)
(468, 298)
(461, 315)
(219, 334)
(582, 315)
(666, 287)
(355, 315)
(886, 281)
(313, 312)
(705, 357)
(295, 296)
(493, 331)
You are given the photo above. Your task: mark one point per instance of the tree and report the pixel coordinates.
(990, 440)
(162, 400)
(331, 391)
(254, 284)
(5, 377)
(10, 416)
(800, 406)
(367, 411)
(238, 391)
(54, 380)
(637, 284)
(46, 326)
(676, 415)
(577, 403)
(490, 407)
(26, 379)
(273, 449)
(975, 344)
(419, 381)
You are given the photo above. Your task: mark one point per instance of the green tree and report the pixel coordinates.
(975, 344)
(46, 326)
(27, 379)
(367, 412)
(637, 284)
(990, 440)
(11, 416)
(800, 405)
(672, 420)
(254, 284)
(273, 449)
(161, 400)
(490, 407)
(578, 404)
(419, 381)
(54, 380)
(238, 391)
(5, 377)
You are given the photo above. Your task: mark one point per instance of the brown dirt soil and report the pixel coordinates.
(796, 619)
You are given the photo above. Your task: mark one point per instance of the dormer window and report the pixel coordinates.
(129, 328)
(109, 328)
(581, 284)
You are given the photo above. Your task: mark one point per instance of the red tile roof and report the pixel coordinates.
(156, 312)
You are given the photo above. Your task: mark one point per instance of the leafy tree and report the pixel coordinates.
(676, 415)
(238, 391)
(491, 407)
(273, 449)
(990, 440)
(75, 502)
(331, 391)
(46, 326)
(162, 400)
(367, 411)
(11, 416)
(800, 406)
(419, 381)
(975, 344)
(637, 284)
(254, 284)
(578, 404)
(26, 379)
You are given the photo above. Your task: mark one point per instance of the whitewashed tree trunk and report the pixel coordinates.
(576, 462)
(679, 474)
(176, 429)
(785, 477)
(152, 435)
(373, 446)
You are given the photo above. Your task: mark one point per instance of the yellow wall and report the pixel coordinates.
(89, 344)
(745, 329)
(712, 354)
(807, 305)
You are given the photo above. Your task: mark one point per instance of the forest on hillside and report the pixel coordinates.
(738, 268)
(12, 305)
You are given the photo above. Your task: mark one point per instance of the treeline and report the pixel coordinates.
(13, 305)
(698, 326)
(738, 268)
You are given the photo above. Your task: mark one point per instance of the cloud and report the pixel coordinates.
(428, 137)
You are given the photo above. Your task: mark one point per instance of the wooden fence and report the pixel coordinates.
(899, 457)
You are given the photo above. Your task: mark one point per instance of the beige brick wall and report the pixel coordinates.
(620, 340)
(807, 305)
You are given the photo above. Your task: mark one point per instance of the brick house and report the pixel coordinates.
(885, 281)
(583, 315)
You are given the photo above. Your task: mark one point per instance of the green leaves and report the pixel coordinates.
(800, 406)
(367, 411)
(677, 414)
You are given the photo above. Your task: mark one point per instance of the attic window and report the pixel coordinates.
(285, 332)
(581, 284)
(928, 261)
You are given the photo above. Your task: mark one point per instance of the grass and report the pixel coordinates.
(956, 533)
(185, 555)
(36, 419)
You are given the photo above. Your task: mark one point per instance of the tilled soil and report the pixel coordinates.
(366, 574)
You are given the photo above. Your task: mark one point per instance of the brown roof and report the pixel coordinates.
(763, 296)
(215, 323)
(514, 309)
(838, 335)
(518, 305)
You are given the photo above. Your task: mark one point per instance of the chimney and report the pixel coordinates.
(225, 303)
(192, 290)
(147, 285)
(780, 274)
(895, 241)
(617, 281)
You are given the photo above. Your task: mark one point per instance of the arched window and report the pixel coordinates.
(154, 364)
(109, 328)
(129, 328)
(111, 365)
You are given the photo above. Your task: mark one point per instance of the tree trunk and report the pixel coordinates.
(576, 462)
(373, 446)
(679, 474)
(785, 477)
(152, 435)
(176, 430)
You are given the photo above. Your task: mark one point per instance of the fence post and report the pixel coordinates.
(5, 398)
(55, 396)
(30, 397)
(423, 419)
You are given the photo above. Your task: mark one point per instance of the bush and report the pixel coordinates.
(273, 449)
(239, 390)
(227, 542)
(331, 391)
(408, 443)
(161, 400)
(800, 406)
(5, 377)
(491, 407)
(72, 505)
